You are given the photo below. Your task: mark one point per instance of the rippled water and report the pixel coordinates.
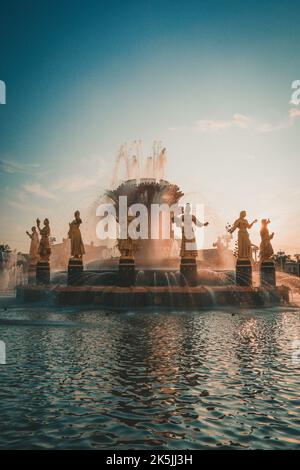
(149, 380)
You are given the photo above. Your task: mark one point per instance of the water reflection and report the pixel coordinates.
(149, 380)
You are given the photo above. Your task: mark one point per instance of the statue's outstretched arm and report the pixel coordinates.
(200, 224)
(38, 223)
(252, 223)
(197, 222)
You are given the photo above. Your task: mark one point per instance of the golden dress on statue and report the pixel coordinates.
(186, 220)
(34, 246)
(44, 246)
(244, 243)
(77, 246)
(188, 247)
(127, 246)
(265, 250)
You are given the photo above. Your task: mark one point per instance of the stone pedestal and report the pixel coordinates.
(243, 273)
(43, 272)
(31, 274)
(75, 269)
(188, 271)
(267, 274)
(126, 271)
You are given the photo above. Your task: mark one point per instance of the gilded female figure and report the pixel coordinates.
(44, 246)
(34, 245)
(127, 246)
(188, 241)
(265, 250)
(77, 246)
(244, 244)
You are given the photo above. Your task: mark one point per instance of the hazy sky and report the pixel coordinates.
(211, 79)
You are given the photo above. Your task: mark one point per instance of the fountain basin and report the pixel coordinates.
(145, 276)
(200, 297)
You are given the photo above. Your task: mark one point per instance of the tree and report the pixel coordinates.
(5, 249)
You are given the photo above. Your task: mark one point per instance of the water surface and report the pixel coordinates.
(149, 380)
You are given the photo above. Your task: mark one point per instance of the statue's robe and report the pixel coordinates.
(265, 250)
(34, 247)
(77, 246)
(244, 244)
(44, 246)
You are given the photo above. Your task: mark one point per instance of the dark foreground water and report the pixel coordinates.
(149, 380)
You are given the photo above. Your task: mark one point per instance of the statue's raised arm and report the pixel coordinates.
(252, 223)
(198, 223)
(34, 245)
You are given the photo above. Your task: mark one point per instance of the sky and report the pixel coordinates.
(210, 79)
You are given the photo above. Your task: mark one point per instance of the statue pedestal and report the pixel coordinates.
(31, 274)
(126, 271)
(75, 269)
(267, 274)
(43, 272)
(243, 272)
(188, 271)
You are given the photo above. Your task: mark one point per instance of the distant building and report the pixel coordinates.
(61, 253)
(220, 257)
(292, 267)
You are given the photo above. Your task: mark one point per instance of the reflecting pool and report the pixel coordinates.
(149, 380)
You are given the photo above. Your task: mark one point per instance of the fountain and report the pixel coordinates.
(147, 274)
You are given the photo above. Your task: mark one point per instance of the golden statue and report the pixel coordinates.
(188, 239)
(77, 246)
(244, 244)
(127, 246)
(265, 250)
(44, 246)
(34, 245)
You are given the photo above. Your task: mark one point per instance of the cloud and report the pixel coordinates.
(73, 183)
(90, 172)
(214, 125)
(38, 190)
(15, 167)
(294, 113)
(20, 202)
(238, 120)
(286, 123)
(241, 121)
(25, 206)
(206, 125)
